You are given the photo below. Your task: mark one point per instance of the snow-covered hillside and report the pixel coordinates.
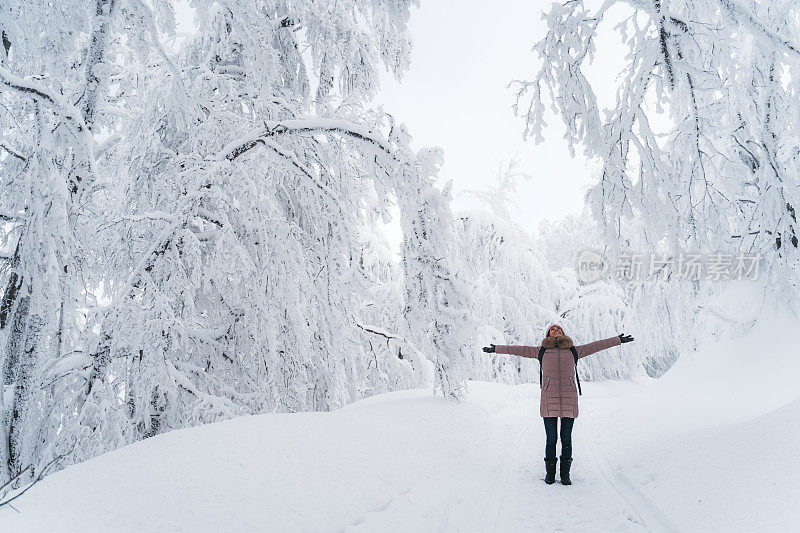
(708, 447)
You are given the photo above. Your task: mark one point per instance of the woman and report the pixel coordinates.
(559, 397)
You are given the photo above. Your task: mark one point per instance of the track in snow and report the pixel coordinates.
(523, 501)
(642, 506)
(503, 489)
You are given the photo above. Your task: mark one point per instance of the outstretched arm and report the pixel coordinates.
(522, 351)
(596, 346)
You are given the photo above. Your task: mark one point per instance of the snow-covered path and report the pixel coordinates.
(696, 450)
(525, 502)
(400, 461)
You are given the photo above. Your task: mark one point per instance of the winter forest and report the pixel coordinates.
(194, 231)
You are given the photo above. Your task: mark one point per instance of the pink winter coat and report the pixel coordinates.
(559, 395)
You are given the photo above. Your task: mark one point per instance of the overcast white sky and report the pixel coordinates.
(455, 95)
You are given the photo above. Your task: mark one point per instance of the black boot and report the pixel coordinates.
(550, 465)
(565, 464)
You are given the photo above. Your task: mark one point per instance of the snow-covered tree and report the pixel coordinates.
(56, 70)
(234, 271)
(522, 283)
(700, 146)
(192, 237)
(438, 302)
(499, 197)
(513, 297)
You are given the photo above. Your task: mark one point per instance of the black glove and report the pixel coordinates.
(489, 349)
(625, 338)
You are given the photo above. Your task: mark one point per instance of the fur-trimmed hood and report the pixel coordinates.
(557, 342)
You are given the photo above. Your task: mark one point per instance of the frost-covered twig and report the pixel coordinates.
(11, 151)
(42, 94)
(38, 478)
(71, 115)
(740, 15)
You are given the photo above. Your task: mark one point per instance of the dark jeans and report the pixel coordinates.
(551, 429)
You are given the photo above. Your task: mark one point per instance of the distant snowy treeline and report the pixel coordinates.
(193, 236)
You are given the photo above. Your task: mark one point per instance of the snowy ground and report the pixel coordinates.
(708, 447)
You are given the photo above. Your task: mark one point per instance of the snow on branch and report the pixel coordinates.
(218, 404)
(305, 125)
(376, 330)
(236, 148)
(71, 115)
(155, 40)
(739, 14)
(13, 152)
(42, 94)
(292, 158)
